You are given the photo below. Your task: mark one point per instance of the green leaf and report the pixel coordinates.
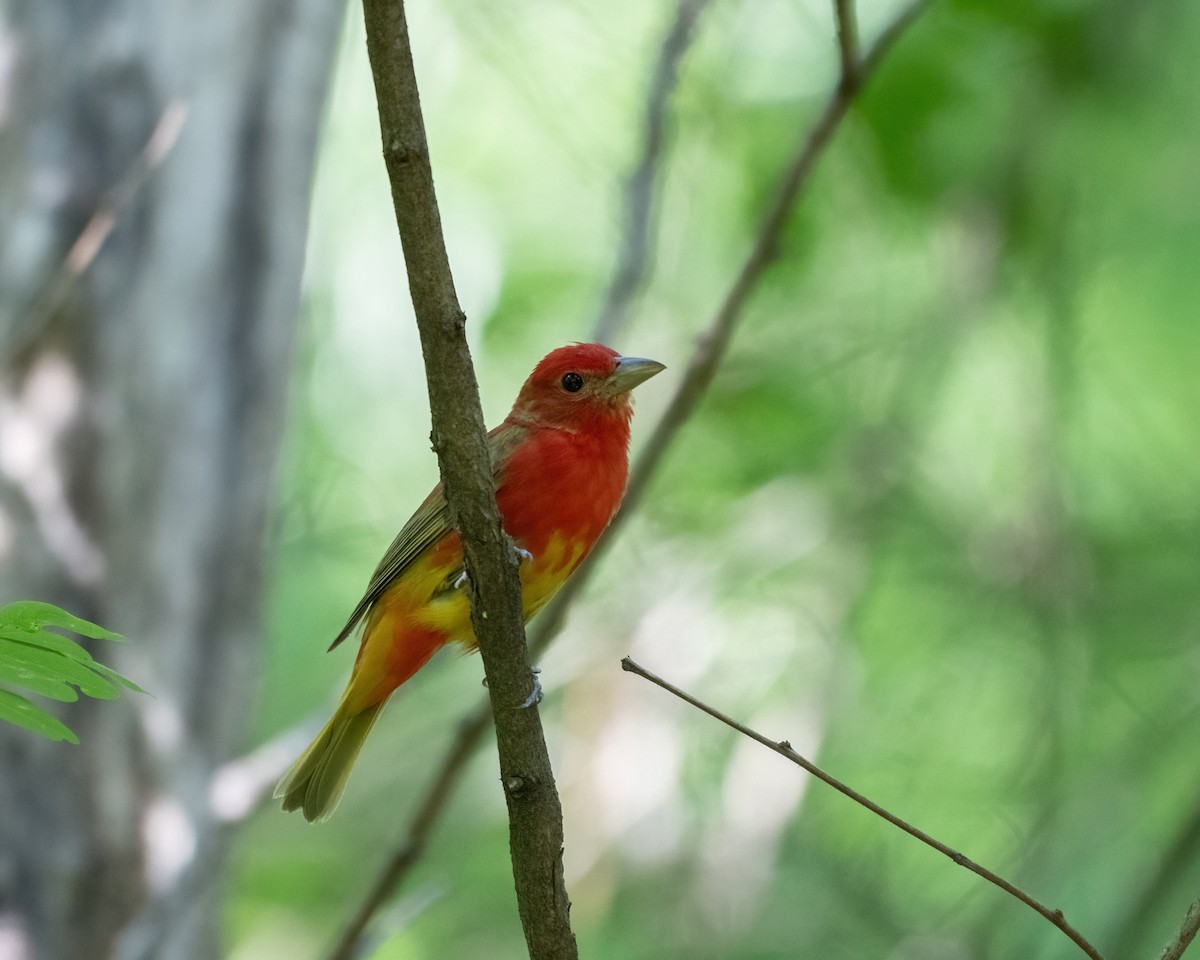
(113, 677)
(37, 662)
(64, 646)
(43, 686)
(46, 639)
(32, 616)
(18, 710)
(36, 658)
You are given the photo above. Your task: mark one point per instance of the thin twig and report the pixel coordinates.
(709, 352)
(847, 37)
(713, 343)
(634, 261)
(1178, 856)
(784, 749)
(1187, 933)
(95, 233)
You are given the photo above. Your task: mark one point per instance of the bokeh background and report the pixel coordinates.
(936, 522)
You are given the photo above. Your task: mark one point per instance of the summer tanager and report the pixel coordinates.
(559, 465)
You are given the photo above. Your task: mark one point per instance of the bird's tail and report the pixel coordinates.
(315, 782)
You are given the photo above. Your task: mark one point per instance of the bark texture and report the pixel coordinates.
(147, 304)
(534, 809)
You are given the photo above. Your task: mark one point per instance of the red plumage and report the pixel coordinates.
(560, 464)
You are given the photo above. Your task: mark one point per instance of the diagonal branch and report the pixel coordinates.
(639, 201)
(1179, 854)
(784, 749)
(410, 849)
(1187, 933)
(100, 225)
(847, 37)
(535, 813)
(713, 343)
(707, 356)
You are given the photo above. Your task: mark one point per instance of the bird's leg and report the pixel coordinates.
(536, 696)
(523, 555)
(460, 581)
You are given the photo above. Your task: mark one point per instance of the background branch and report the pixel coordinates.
(459, 438)
(847, 36)
(635, 256)
(99, 226)
(1187, 933)
(713, 343)
(1173, 864)
(784, 749)
(421, 825)
(710, 350)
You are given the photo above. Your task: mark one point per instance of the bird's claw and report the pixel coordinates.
(535, 697)
(461, 580)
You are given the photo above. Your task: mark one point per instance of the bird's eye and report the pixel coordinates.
(572, 382)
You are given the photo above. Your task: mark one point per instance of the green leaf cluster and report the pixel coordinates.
(35, 657)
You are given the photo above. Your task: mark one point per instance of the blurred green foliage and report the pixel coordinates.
(936, 521)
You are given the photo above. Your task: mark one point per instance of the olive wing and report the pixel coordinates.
(426, 527)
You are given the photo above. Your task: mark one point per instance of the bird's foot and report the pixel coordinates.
(523, 555)
(534, 697)
(460, 581)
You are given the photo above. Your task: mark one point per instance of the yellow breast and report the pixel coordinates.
(446, 606)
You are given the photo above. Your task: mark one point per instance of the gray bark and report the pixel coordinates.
(141, 406)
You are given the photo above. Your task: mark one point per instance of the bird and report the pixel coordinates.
(560, 464)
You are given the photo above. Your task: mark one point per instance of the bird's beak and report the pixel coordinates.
(630, 372)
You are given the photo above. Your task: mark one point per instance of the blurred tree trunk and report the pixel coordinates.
(142, 390)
